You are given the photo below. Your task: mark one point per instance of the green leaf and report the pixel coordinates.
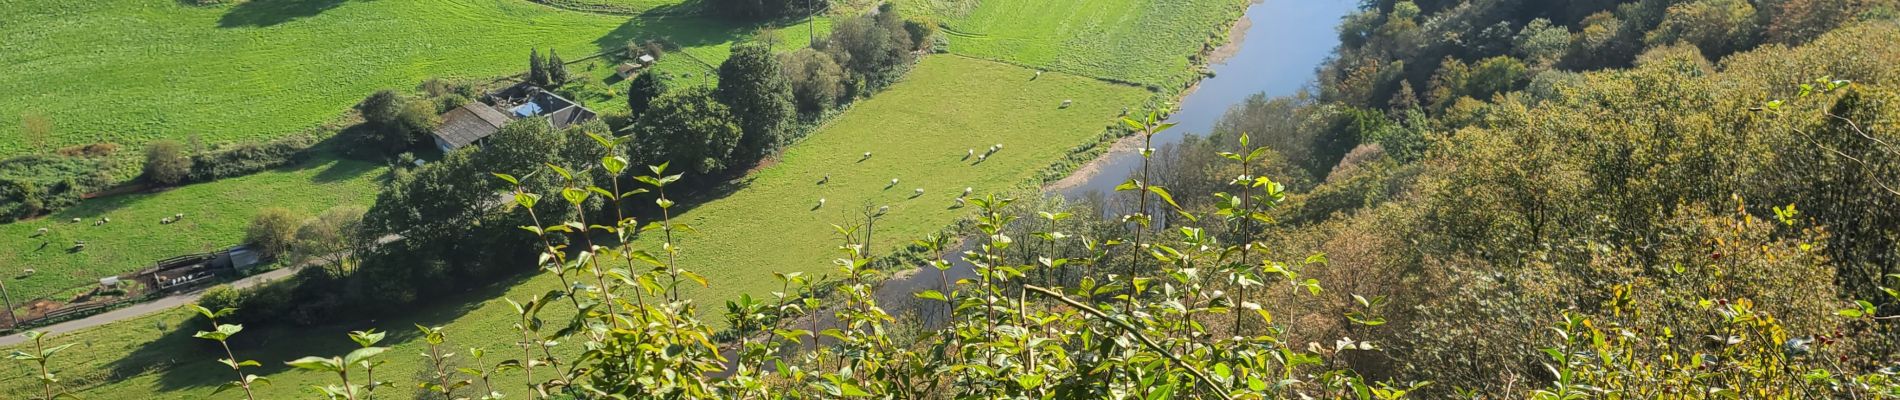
(362, 354)
(574, 196)
(614, 164)
(526, 199)
(932, 295)
(506, 177)
(1165, 196)
(318, 364)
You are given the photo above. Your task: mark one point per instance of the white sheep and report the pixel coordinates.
(970, 153)
(893, 181)
(960, 202)
(76, 220)
(178, 216)
(999, 146)
(919, 192)
(867, 155)
(42, 231)
(967, 190)
(821, 202)
(980, 158)
(1067, 103)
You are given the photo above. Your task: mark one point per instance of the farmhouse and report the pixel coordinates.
(473, 123)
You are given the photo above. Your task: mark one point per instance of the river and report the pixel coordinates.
(1275, 49)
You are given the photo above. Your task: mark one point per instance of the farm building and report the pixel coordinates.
(469, 124)
(473, 123)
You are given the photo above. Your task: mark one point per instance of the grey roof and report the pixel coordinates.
(469, 123)
(561, 112)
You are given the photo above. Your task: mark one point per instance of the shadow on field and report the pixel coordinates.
(180, 361)
(265, 13)
(682, 25)
(342, 170)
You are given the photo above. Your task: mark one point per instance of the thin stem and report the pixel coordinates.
(1131, 330)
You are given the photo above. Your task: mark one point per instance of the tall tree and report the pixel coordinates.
(751, 83)
(557, 70)
(643, 89)
(817, 80)
(537, 68)
(687, 128)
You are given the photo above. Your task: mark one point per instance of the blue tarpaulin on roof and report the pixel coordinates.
(527, 110)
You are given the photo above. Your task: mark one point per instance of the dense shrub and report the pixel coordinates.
(271, 231)
(817, 81)
(753, 85)
(248, 158)
(167, 162)
(643, 89)
(688, 128)
(38, 183)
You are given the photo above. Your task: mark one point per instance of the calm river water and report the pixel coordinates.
(1283, 43)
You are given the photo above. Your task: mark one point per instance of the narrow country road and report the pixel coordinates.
(142, 309)
(163, 303)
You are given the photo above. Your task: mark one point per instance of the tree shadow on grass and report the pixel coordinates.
(183, 362)
(266, 13)
(341, 170)
(682, 25)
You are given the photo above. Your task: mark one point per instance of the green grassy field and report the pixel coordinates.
(918, 132)
(1141, 41)
(216, 214)
(131, 71)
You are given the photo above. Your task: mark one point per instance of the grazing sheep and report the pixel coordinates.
(893, 181)
(960, 202)
(867, 156)
(106, 220)
(999, 147)
(165, 221)
(980, 158)
(178, 216)
(967, 190)
(968, 154)
(1067, 103)
(919, 192)
(825, 179)
(75, 220)
(821, 202)
(99, 222)
(38, 233)
(28, 271)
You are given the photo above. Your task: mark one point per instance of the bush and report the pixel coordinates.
(167, 163)
(221, 297)
(39, 183)
(271, 231)
(817, 80)
(248, 158)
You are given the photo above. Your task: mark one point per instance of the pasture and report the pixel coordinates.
(1147, 42)
(216, 214)
(131, 71)
(918, 132)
